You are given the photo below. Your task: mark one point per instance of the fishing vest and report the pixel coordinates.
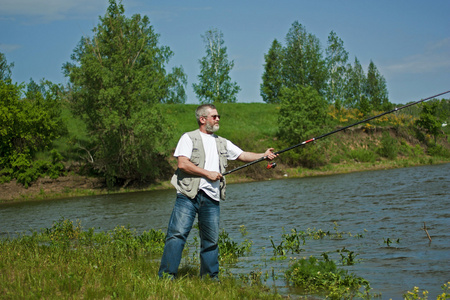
(188, 184)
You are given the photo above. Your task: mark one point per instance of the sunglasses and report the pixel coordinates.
(213, 116)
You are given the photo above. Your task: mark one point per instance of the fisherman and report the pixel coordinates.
(202, 158)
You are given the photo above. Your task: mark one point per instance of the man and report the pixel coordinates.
(202, 158)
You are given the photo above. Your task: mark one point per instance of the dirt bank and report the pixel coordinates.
(76, 185)
(63, 186)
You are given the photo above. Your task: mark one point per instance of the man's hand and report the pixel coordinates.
(269, 155)
(213, 176)
(187, 166)
(250, 156)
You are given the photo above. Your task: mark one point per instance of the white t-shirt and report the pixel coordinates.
(184, 148)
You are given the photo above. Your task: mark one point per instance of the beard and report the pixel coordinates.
(212, 128)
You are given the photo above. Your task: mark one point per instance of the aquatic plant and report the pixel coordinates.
(230, 250)
(417, 294)
(292, 242)
(315, 276)
(347, 257)
(389, 241)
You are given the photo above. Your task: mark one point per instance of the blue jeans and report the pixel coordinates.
(180, 224)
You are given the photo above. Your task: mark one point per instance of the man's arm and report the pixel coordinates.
(251, 156)
(187, 166)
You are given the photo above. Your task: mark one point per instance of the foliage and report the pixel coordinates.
(303, 112)
(336, 60)
(318, 276)
(303, 64)
(432, 117)
(355, 96)
(230, 250)
(72, 263)
(438, 150)
(376, 89)
(415, 294)
(272, 77)
(29, 125)
(292, 242)
(389, 146)
(362, 155)
(5, 68)
(68, 261)
(117, 79)
(215, 84)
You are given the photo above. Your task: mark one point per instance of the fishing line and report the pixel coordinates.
(330, 133)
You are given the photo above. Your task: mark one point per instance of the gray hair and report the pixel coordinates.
(202, 110)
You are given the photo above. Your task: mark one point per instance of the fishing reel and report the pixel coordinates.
(271, 165)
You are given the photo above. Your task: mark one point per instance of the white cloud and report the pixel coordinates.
(435, 57)
(51, 10)
(9, 47)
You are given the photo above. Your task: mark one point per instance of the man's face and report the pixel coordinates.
(212, 121)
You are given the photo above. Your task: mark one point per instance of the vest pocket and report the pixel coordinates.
(185, 183)
(195, 156)
(223, 154)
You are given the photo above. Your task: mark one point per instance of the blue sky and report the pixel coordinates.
(409, 41)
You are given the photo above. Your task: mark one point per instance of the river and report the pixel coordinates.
(379, 205)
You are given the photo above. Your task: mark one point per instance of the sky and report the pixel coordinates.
(408, 41)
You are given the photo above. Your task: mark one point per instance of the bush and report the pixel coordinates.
(362, 155)
(303, 113)
(438, 150)
(28, 125)
(313, 275)
(27, 171)
(389, 146)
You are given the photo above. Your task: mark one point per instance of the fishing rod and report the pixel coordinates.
(330, 133)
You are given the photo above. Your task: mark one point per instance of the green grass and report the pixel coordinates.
(67, 262)
(388, 142)
(246, 124)
(254, 127)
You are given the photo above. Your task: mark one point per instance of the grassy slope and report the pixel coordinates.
(253, 127)
(241, 123)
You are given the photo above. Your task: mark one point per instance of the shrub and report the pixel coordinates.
(362, 155)
(313, 276)
(389, 146)
(438, 150)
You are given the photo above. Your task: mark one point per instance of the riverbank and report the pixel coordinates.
(111, 252)
(74, 185)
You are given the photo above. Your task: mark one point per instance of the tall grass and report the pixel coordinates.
(67, 262)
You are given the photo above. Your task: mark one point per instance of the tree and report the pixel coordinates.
(117, 79)
(272, 77)
(27, 125)
(355, 96)
(176, 92)
(5, 69)
(336, 61)
(214, 80)
(303, 63)
(432, 117)
(376, 89)
(303, 113)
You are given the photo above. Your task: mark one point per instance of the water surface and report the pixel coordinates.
(379, 205)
